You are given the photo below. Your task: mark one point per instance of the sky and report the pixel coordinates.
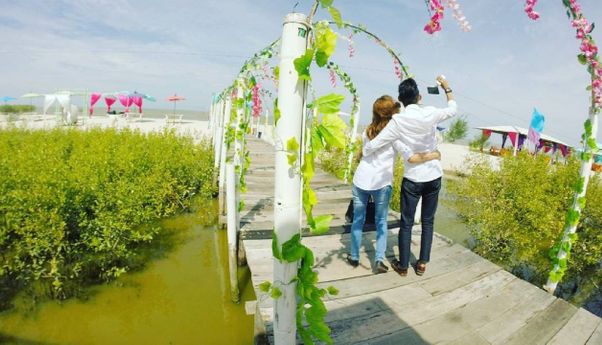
(502, 69)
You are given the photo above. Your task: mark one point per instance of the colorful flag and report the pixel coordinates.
(535, 129)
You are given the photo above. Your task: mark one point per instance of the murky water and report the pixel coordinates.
(447, 222)
(181, 298)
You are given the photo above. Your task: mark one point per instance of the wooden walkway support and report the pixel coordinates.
(462, 299)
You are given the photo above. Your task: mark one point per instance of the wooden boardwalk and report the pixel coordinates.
(462, 298)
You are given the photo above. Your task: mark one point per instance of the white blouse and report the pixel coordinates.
(376, 170)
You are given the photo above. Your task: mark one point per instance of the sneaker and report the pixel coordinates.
(353, 263)
(397, 268)
(381, 267)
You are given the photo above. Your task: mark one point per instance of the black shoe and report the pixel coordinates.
(353, 263)
(381, 267)
(397, 268)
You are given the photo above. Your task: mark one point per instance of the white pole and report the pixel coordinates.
(232, 227)
(287, 206)
(218, 132)
(355, 117)
(585, 173)
(224, 149)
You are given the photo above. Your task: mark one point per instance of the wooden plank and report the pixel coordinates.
(502, 327)
(466, 319)
(544, 325)
(578, 330)
(452, 280)
(470, 338)
(596, 338)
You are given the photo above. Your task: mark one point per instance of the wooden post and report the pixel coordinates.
(288, 186)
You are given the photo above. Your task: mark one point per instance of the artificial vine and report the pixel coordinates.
(561, 252)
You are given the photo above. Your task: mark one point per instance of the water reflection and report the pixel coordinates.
(180, 298)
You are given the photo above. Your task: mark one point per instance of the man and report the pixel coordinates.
(416, 127)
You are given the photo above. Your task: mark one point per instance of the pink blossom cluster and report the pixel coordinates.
(333, 77)
(351, 47)
(256, 100)
(589, 49)
(434, 24)
(458, 15)
(529, 9)
(397, 68)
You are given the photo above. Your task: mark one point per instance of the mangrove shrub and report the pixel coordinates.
(517, 214)
(75, 205)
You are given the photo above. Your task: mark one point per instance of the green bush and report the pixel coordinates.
(479, 142)
(516, 215)
(16, 109)
(333, 160)
(457, 130)
(72, 203)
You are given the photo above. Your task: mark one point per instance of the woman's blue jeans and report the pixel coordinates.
(381, 199)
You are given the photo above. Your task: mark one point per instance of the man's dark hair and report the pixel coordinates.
(408, 92)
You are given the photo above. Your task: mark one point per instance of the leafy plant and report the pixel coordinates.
(75, 205)
(479, 142)
(513, 215)
(458, 130)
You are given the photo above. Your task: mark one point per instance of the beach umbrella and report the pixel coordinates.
(175, 98)
(6, 99)
(32, 95)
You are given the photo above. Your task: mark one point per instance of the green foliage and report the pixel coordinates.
(292, 147)
(276, 112)
(16, 108)
(479, 142)
(395, 203)
(303, 63)
(326, 42)
(75, 205)
(517, 214)
(329, 104)
(310, 306)
(457, 130)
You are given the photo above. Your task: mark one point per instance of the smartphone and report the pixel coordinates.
(433, 90)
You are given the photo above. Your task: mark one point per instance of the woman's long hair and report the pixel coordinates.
(382, 111)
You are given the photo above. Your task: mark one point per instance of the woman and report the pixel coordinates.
(374, 177)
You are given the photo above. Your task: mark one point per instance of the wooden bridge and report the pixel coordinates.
(462, 298)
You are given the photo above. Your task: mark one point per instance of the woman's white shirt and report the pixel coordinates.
(376, 171)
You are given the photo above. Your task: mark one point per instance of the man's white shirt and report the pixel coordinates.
(416, 127)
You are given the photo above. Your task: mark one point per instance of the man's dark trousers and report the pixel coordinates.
(411, 192)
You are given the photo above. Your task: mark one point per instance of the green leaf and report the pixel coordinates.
(332, 290)
(277, 72)
(292, 147)
(330, 104)
(591, 143)
(276, 247)
(293, 250)
(307, 170)
(332, 129)
(326, 42)
(582, 59)
(316, 141)
(303, 63)
(322, 224)
(336, 16)
(276, 112)
(265, 286)
(276, 293)
(326, 3)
